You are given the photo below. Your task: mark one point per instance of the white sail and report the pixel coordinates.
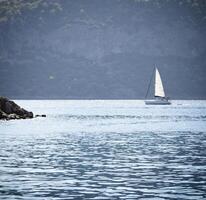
(159, 90)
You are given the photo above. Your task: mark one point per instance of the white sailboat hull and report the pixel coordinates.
(157, 102)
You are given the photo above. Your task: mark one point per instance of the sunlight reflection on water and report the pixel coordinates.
(105, 150)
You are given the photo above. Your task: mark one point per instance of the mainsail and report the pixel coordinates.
(159, 90)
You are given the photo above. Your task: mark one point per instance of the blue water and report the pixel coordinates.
(105, 150)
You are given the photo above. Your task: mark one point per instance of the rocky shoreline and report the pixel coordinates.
(10, 110)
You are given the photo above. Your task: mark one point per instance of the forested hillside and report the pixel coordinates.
(101, 49)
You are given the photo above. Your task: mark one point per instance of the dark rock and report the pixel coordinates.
(30, 114)
(40, 115)
(20, 111)
(3, 115)
(13, 116)
(10, 110)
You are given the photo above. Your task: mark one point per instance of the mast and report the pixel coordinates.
(150, 83)
(159, 89)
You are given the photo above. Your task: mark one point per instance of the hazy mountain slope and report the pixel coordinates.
(101, 49)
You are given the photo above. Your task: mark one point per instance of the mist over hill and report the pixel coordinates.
(92, 49)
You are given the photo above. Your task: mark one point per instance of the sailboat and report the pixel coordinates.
(159, 94)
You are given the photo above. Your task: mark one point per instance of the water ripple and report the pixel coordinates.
(105, 152)
(114, 166)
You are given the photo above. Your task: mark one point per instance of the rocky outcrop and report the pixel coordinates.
(10, 110)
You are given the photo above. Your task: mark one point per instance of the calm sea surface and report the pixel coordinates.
(105, 150)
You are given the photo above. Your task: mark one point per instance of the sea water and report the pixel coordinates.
(105, 149)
